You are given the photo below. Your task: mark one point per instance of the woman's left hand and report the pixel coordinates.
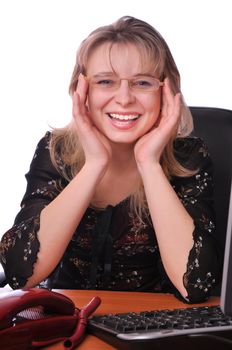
(150, 146)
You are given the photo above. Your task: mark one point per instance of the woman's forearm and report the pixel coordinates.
(59, 220)
(172, 223)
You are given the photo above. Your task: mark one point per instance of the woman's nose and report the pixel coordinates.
(124, 95)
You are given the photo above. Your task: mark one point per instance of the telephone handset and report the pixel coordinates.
(34, 317)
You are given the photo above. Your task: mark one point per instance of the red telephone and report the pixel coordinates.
(34, 317)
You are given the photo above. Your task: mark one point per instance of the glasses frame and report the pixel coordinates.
(129, 80)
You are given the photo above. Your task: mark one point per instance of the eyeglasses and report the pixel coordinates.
(143, 83)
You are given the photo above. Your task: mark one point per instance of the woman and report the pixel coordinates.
(121, 198)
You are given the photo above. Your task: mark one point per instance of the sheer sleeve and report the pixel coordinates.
(196, 193)
(19, 246)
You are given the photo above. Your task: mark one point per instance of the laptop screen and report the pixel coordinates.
(226, 290)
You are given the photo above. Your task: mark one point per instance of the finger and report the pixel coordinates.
(177, 103)
(175, 108)
(80, 95)
(172, 103)
(176, 114)
(164, 98)
(82, 88)
(75, 104)
(81, 117)
(168, 98)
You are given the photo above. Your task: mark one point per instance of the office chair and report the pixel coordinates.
(214, 125)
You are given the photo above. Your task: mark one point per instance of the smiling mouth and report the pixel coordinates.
(124, 117)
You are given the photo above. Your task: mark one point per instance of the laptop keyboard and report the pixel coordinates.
(150, 327)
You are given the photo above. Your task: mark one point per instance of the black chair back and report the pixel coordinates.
(214, 125)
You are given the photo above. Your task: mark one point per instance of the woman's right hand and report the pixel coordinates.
(95, 145)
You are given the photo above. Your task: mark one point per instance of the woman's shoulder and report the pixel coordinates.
(41, 155)
(191, 151)
(45, 139)
(43, 142)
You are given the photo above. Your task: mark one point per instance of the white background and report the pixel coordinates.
(38, 42)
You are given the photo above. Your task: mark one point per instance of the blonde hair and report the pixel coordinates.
(153, 49)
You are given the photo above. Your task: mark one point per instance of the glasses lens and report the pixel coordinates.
(145, 84)
(106, 83)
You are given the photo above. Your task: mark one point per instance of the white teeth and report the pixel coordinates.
(124, 117)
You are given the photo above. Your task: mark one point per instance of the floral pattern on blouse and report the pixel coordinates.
(111, 249)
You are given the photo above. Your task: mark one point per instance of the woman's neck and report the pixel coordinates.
(121, 179)
(123, 156)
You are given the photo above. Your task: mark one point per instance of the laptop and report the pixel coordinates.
(226, 290)
(206, 328)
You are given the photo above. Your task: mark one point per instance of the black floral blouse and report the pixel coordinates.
(111, 249)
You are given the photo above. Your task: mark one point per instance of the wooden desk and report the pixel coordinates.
(121, 302)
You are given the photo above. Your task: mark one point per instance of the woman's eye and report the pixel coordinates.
(142, 83)
(105, 82)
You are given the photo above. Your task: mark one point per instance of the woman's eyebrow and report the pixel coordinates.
(137, 75)
(102, 74)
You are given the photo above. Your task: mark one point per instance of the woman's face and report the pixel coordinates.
(122, 114)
